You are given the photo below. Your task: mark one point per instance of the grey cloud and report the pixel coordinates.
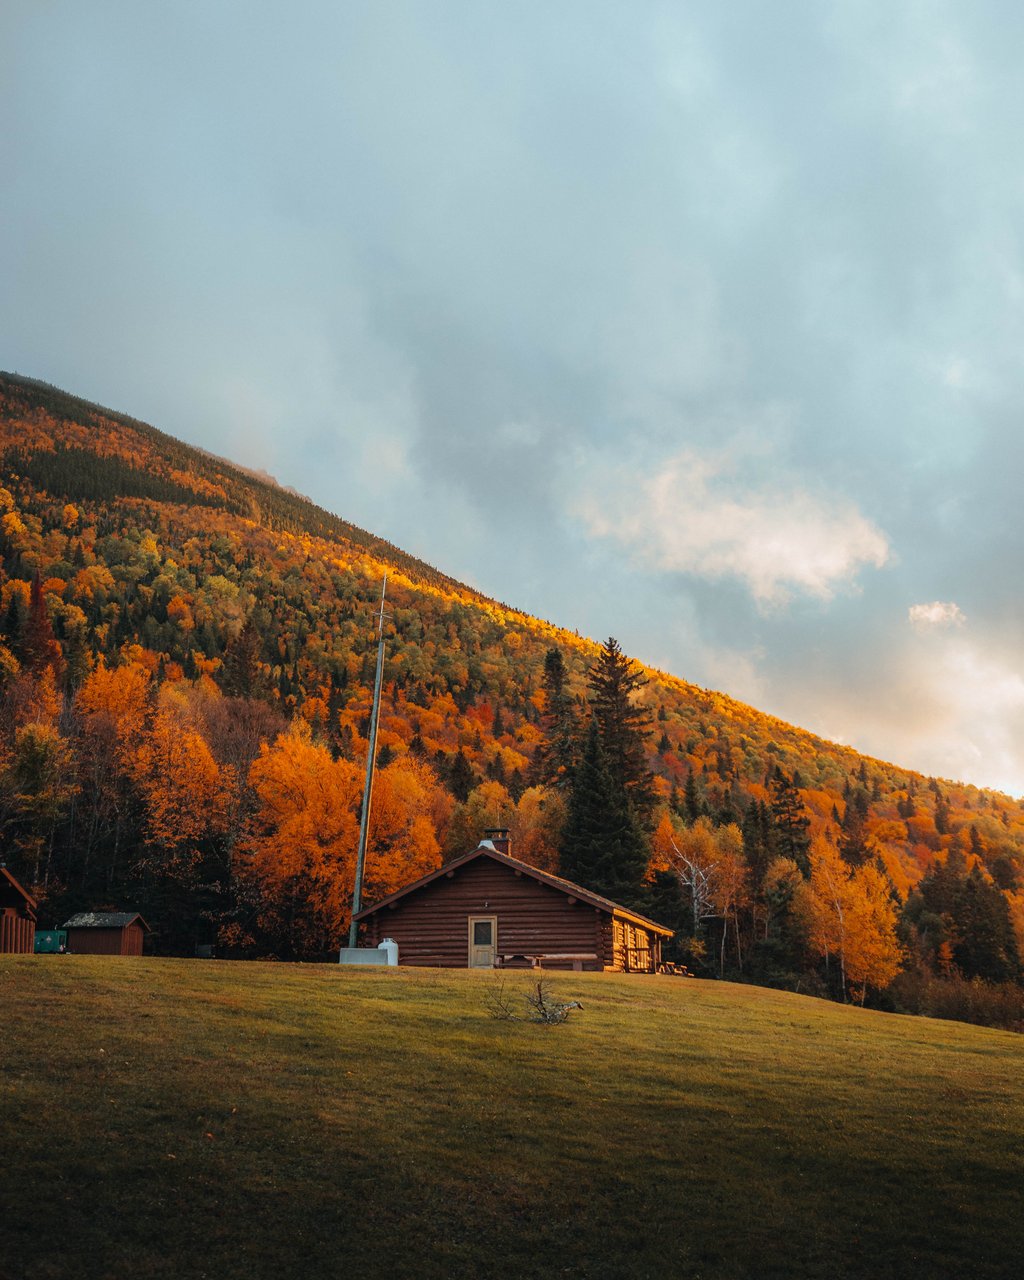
(428, 263)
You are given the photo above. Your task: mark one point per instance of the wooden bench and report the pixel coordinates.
(537, 959)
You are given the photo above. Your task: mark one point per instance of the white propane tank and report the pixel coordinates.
(390, 947)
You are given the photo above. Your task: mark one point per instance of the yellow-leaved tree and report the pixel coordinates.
(185, 792)
(709, 864)
(849, 913)
(537, 827)
(403, 843)
(296, 864)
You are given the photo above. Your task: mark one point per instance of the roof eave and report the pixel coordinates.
(20, 888)
(553, 882)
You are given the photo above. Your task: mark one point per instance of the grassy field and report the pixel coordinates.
(187, 1119)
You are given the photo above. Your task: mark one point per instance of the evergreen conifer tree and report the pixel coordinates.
(241, 672)
(727, 811)
(790, 821)
(852, 836)
(759, 844)
(39, 647)
(694, 805)
(977, 916)
(603, 847)
(13, 624)
(556, 755)
(623, 725)
(461, 777)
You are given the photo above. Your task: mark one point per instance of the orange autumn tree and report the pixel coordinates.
(33, 698)
(537, 827)
(709, 864)
(403, 843)
(729, 886)
(184, 791)
(110, 708)
(114, 702)
(487, 806)
(849, 913)
(296, 865)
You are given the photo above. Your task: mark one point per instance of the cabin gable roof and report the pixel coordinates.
(487, 850)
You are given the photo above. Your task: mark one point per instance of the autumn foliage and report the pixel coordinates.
(186, 660)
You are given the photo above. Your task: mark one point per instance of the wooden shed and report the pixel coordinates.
(489, 910)
(17, 916)
(106, 933)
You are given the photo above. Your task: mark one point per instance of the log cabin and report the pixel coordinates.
(17, 916)
(488, 910)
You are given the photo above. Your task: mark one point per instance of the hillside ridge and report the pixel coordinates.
(395, 557)
(183, 644)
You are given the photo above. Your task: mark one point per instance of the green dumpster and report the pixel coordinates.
(51, 941)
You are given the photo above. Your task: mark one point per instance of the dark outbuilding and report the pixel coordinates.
(106, 933)
(17, 916)
(489, 910)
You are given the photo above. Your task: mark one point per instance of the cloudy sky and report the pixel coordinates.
(697, 324)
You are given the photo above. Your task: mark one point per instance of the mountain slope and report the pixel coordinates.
(223, 589)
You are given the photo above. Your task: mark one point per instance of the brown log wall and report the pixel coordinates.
(430, 925)
(635, 949)
(17, 933)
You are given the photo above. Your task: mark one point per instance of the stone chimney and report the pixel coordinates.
(499, 840)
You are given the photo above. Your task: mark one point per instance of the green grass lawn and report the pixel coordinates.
(204, 1119)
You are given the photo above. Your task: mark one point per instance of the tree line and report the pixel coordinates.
(753, 894)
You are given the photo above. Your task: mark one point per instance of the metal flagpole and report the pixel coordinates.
(371, 757)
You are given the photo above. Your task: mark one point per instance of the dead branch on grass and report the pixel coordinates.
(541, 1004)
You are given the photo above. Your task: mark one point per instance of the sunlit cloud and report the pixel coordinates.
(519, 319)
(940, 613)
(966, 713)
(697, 516)
(944, 701)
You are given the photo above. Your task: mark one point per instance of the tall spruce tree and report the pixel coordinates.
(759, 843)
(790, 821)
(39, 647)
(694, 804)
(853, 832)
(623, 725)
(555, 759)
(603, 846)
(461, 777)
(241, 671)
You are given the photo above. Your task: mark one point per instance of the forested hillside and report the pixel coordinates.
(186, 659)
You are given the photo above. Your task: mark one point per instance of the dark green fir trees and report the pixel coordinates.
(606, 842)
(555, 760)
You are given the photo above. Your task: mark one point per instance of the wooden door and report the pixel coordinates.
(483, 941)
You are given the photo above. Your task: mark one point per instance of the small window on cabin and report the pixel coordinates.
(481, 933)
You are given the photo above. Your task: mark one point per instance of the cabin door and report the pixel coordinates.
(483, 941)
